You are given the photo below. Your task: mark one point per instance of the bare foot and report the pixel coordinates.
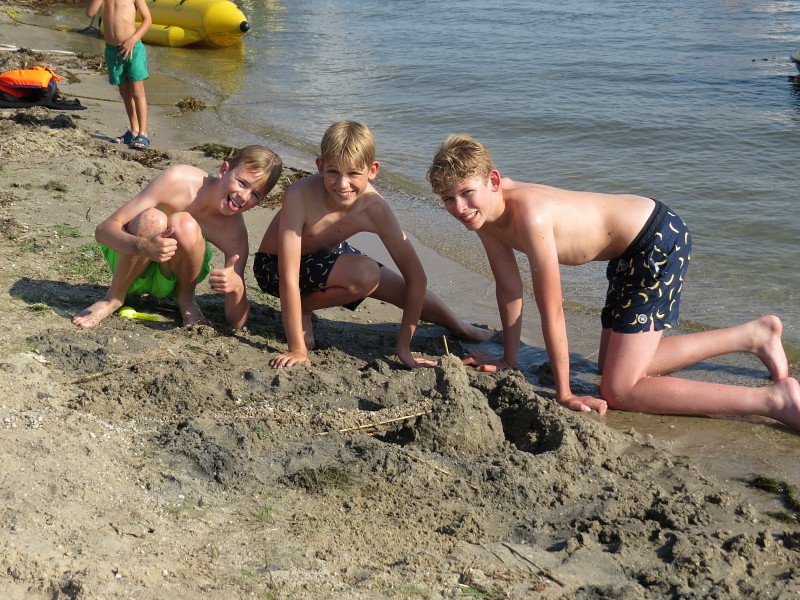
(768, 347)
(308, 332)
(91, 316)
(476, 334)
(193, 316)
(787, 409)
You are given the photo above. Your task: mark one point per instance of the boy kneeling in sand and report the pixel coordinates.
(648, 248)
(305, 259)
(156, 243)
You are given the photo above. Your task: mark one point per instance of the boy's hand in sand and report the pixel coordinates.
(413, 363)
(486, 363)
(289, 359)
(226, 279)
(584, 404)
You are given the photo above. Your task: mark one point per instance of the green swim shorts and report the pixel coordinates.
(153, 281)
(134, 68)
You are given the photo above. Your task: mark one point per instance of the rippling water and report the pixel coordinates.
(694, 102)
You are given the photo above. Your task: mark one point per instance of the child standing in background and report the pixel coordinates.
(127, 61)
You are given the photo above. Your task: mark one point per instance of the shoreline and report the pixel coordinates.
(470, 294)
(148, 460)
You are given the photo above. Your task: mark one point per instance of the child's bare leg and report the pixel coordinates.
(392, 289)
(626, 386)
(761, 337)
(127, 270)
(308, 331)
(129, 267)
(126, 91)
(139, 101)
(186, 266)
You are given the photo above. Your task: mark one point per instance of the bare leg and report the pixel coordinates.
(129, 267)
(308, 332)
(126, 91)
(761, 337)
(127, 270)
(352, 278)
(626, 386)
(186, 266)
(139, 101)
(392, 289)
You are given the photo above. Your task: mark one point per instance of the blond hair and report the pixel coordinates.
(348, 143)
(459, 158)
(262, 162)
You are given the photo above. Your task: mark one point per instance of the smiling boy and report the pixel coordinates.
(156, 243)
(304, 257)
(647, 247)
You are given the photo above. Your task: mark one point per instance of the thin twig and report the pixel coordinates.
(446, 349)
(378, 424)
(88, 210)
(124, 367)
(425, 462)
(542, 571)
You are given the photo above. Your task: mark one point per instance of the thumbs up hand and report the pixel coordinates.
(226, 279)
(161, 247)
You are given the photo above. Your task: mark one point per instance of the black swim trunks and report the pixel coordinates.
(314, 271)
(644, 284)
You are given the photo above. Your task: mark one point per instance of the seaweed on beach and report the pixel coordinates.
(784, 491)
(190, 104)
(218, 151)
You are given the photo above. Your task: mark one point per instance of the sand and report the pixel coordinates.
(143, 460)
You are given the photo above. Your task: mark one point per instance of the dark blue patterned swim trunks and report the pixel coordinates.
(314, 271)
(645, 283)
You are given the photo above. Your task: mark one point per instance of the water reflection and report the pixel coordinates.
(794, 89)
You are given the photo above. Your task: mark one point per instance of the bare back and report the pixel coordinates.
(585, 226)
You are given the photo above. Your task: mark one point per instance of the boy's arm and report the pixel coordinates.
(508, 291)
(292, 219)
(407, 261)
(93, 7)
(229, 280)
(157, 248)
(126, 48)
(545, 272)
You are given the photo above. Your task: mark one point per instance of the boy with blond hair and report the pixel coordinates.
(126, 59)
(156, 243)
(647, 247)
(304, 257)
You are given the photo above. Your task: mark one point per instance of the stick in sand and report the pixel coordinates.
(124, 367)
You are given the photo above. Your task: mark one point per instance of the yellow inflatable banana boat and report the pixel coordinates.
(178, 23)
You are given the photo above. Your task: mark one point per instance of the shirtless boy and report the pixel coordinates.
(126, 59)
(305, 259)
(156, 243)
(647, 246)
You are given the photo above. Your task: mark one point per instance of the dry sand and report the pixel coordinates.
(142, 460)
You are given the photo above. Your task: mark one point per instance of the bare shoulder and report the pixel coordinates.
(177, 186)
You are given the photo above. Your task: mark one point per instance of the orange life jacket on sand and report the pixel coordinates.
(24, 82)
(23, 88)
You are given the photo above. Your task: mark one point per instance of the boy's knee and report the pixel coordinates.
(364, 278)
(147, 223)
(613, 392)
(185, 229)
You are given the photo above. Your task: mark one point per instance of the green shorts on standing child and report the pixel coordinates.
(133, 68)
